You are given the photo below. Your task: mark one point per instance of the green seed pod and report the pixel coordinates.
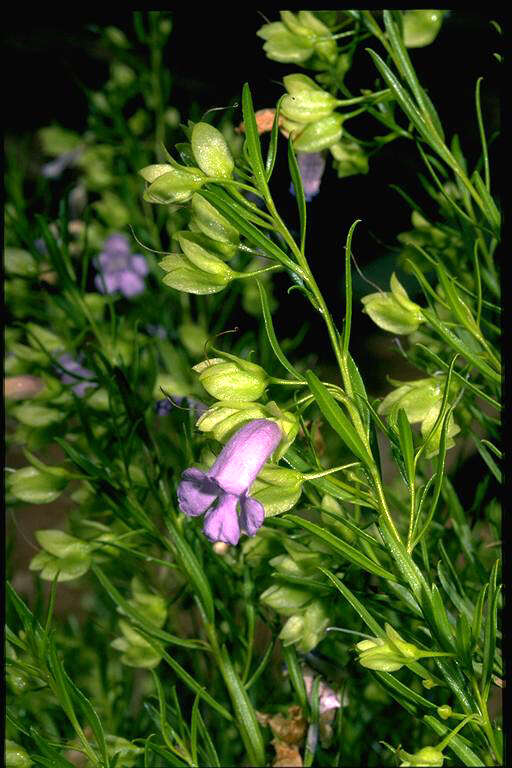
(319, 135)
(195, 245)
(211, 223)
(232, 379)
(171, 183)
(212, 277)
(394, 312)
(298, 82)
(421, 27)
(292, 630)
(285, 600)
(349, 158)
(16, 756)
(36, 487)
(307, 106)
(284, 46)
(277, 488)
(62, 554)
(211, 151)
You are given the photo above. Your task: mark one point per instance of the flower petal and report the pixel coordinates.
(252, 515)
(131, 284)
(244, 454)
(139, 264)
(196, 492)
(221, 523)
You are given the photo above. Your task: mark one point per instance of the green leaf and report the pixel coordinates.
(272, 148)
(271, 334)
(402, 693)
(299, 193)
(476, 626)
(356, 604)
(193, 571)
(337, 419)
(253, 141)
(344, 549)
(91, 716)
(139, 617)
(463, 641)
(244, 226)
(443, 627)
(406, 445)
(359, 389)
(453, 341)
(245, 714)
(209, 748)
(296, 678)
(486, 456)
(491, 621)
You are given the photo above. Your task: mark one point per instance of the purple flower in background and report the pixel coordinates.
(156, 330)
(55, 168)
(163, 407)
(311, 167)
(73, 367)
(328, 699)
(226, 485)
(119, 268)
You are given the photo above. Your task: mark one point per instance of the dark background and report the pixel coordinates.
(210, 53)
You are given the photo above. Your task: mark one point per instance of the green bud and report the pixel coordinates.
(211, 223)
(285, 600)
(394, 312)
(62, 554)
(286, 565)
(435, 440)
(182, 275)
(319, 135)
(428, 683)
(36, 487)
(136, 650)
(277, 488)
(16, 756)
(56, 140)
(349, 158)
(117, 37)
(308, 105)
(284, 46)
(197, 246)
(390, 654)
(121, 74)
(325, 44)
(421, 27)
(211, 151)
(232, 379)
(428, 756)
(20, 262)
(292, 630)
(445, 711)
(171, 183)
(316, 619)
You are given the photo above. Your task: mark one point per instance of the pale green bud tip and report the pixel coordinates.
(444, 711)
(211, 151)
(171, 183)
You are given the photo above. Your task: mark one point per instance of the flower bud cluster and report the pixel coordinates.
(389, 654)
(307, 114)
(298, 37)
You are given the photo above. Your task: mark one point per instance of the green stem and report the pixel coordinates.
(315, 475)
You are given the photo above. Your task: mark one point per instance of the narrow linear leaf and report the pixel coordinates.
(253, 140)
(272, 149)
(271, 334)
(299, 193)
(344, 549)
(336, 418)
(356, 604)
(457, 743)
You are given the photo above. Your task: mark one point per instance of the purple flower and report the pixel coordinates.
(311, 167)
(119, 268)
(219, 491)
(73, 367)
(328, 699)
(55, 168)
(163, 407)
